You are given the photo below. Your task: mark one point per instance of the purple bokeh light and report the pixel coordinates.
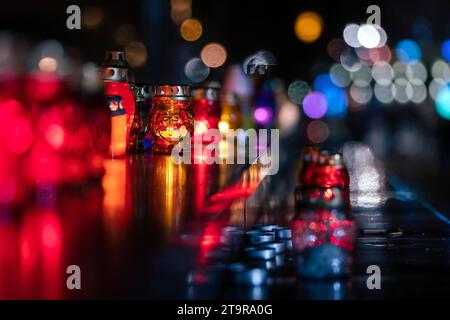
(315, 105)
(263, 115)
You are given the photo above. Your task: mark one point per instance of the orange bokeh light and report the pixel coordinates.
(191, 30)
(213, 55)
(308, 26)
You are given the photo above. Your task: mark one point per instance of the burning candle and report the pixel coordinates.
(207, 111)
(171, 117)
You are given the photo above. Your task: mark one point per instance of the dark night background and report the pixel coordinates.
(241, 26)
(244, 27)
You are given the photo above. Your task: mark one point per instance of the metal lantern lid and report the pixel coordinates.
(143, 92)
(115, 59)
(334, 159)
(311, 154)
(116, 68)
(209, 93)
(176, 92)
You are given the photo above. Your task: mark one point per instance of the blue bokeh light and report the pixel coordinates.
(408, 51)
(336, 97)
(443, 103)
(445, 50)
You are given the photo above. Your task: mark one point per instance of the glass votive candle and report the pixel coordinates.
(171, 117)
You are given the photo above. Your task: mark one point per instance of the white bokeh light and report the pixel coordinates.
(382, 73)
(350, 60)
(416, 72)
(339, 75)
(361, 94)
(362, 76)
(440, 70)
(350, 35)
(435, 86)
(399, 70)
(368, 36)
(403, 90)
(384, 93)
(383, 36)
(419, 92)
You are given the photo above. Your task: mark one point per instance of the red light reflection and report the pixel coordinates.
(209, 240)
(41, 243)
(315, 228)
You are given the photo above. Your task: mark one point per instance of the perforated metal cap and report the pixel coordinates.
(143, 92)
(177, 92)
(115, 59)
(206, 93)
(331, 158)
(115, 67)
(336, 159)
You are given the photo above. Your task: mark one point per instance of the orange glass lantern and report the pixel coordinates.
(171, 117)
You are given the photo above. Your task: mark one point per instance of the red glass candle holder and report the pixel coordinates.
(119, 96)
(324, 169)
(171, 117)
(207, 111)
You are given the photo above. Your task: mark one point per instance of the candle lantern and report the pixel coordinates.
(116, 77)
(324, 181)
(231, 117)
(207, 111)
(171, 117)
(143, 94)
(323, 231)
(324, 169)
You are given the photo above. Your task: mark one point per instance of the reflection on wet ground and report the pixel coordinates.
(150, 228)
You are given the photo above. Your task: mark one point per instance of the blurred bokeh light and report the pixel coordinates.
(191, 30)
(136, 54)
(308, 26)
(315, 105)
(196, 70)
(408, 51)
(92, 17)
(213, 55)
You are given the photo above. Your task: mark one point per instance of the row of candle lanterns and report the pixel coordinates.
(156, 117)
(56, 132)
